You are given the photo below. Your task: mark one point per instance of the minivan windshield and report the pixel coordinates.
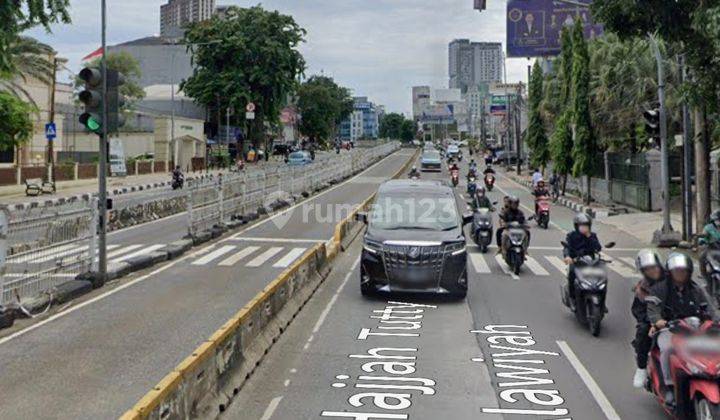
(401, 212)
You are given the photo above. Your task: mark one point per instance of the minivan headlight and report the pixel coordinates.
(455, 248)
(371, 246)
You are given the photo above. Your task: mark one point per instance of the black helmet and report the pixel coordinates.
(715, 216)
(678, 260)
(581, 219)
(480, 189)
(647, 258)
(513, 201)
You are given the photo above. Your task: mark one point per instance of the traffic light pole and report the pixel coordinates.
(102, 169)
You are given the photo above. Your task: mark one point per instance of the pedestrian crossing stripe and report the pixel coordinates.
(557, 263)
(289, 257)
(535, 267)
(144, 251)
(262, 258)
(214, 255)
(235, 258)
(479, 263)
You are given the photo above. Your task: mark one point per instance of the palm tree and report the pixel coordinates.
(30, 59)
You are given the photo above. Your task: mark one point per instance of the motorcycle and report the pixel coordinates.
(178, 182)
(712, 269)
(542, 211)
(482, 228)
(414, 176)
(489, 181)
(471, 187)
(459, 157)
(694, 364)
(455, 176)
(513, 246)
(590, 284)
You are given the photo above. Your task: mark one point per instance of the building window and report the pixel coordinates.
(7, 156)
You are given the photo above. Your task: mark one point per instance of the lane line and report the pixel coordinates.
(289, 257)
(590, 383)
(143, 251)
(282, 240)
(262, 258)
(558, 263)
(270, 410)
(479, 264)
(328, 307)
(233, 259)
(214, 255)
(535, 266)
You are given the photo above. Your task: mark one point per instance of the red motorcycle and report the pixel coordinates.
(695, 367)
(542, 211)
(489, 181)
(455, 175)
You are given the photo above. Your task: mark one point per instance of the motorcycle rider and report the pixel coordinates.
(414, 172)
(711, 238)
(540, 191)
(580, 242)
(511, 213)
(489, 170)
(177, 176)
(481, 200)
(651, 268)
(677, 298)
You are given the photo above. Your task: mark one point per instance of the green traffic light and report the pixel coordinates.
(92, 124)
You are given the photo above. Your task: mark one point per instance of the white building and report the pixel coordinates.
(473, 63)
(177, 14)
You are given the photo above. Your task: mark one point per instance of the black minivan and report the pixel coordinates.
(414, 240)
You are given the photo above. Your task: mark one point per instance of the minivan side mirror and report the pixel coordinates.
(610, 245)
(361, 216)
(468, 218)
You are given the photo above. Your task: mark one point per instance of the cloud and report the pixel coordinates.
(378, 48)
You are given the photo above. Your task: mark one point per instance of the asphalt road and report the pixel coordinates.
(463, 367)
(96, 358)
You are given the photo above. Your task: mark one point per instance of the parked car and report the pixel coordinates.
(299, 158)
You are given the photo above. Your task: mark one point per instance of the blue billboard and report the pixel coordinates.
(534, 26)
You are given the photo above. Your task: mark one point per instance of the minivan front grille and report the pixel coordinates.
(424, 260)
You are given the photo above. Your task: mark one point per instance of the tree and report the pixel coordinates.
(29, 58)
(16, 127)
(536, 139)
(561, 142)
(323, 104)
(249, 55)
(20, 15)
(408, 131)
(126, 64)
(391, 125)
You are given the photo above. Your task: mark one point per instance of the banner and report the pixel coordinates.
(498, 105)
(534, 26)
(117, 158)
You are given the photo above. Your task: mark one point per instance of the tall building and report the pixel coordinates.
(363, 123)
(473, 63)
(176, 14)
(420, 100)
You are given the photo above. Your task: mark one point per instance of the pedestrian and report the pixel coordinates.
(536, 177)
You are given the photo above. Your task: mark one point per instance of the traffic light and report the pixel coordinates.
(480, 5)
(652, 124)
(92, 98)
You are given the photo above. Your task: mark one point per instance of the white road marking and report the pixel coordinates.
(123, 250)
(281, 240)
(46, 254)
(143, 251)
(62, 254)
(262, 258)
(270, 410)
(558, 263)
(629, 261)
(505, 268)
(479, 263)
(233, 259)
(590, 383)
(328, 307)
(535, 267)
(214, 255)
(529, 210)
(620, 268)
(289, 257)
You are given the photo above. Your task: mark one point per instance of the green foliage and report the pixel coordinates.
(584, 146)
(323, 104)
(126, 64)
(250, 55)
(408, 131)
(28, 58)
(16, 127)
(561, 141)
(391, 125)
(536, 138)
(18, 16)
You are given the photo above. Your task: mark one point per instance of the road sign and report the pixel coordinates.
(249, 115)
(498, 105)
(534, 26)
(250, 107)
(50, 131)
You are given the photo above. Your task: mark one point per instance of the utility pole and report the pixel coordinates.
(687, 159)
(102, 168)
(51, 118)
(507, 115)
(666, 236)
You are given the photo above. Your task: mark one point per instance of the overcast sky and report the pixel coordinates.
(378, 48)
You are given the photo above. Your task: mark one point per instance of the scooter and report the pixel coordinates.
(590, 284)
(455, 176)
(542, 211)
(513, 246)
(694, 365)
(489, 181)
(178, 182)
(471, 187)
(482, 228)
(712, 269)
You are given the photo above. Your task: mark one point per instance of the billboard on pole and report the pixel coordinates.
(534, 26)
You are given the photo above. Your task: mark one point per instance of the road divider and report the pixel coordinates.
(204, 383)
